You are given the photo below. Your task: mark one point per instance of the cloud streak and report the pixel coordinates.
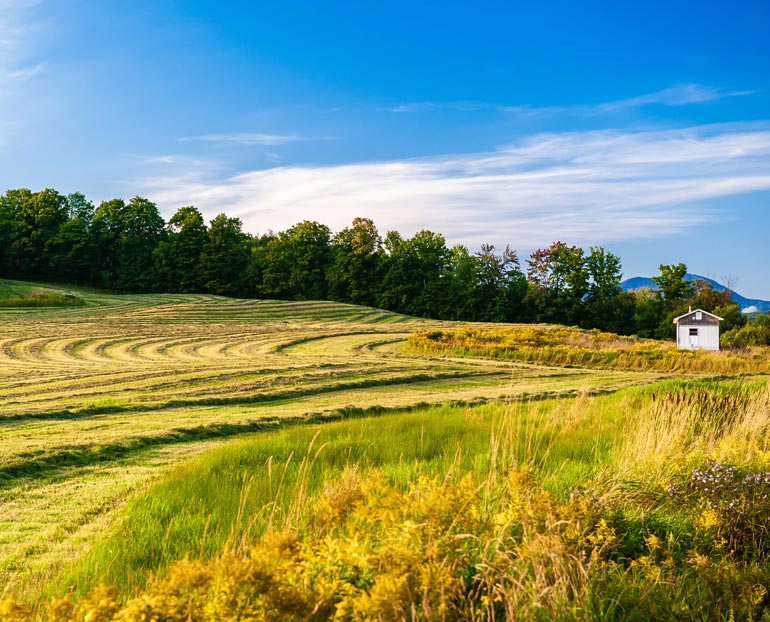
(21, 39)
(677, 95)
(245, 138)
(17, 41)
(582, 187)
(252, 138)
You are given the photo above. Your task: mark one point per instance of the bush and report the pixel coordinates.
(44, 300)
(733, 507)
(756, 333)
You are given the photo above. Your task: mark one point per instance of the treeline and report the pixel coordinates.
(128, 247)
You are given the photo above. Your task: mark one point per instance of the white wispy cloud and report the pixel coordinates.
(23, 74)
(253, 138)
(677, 95)
(583, 187)
(19, 32)
(21, 37)
(462, 106)
(245, 138)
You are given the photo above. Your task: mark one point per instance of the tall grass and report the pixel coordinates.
(264, 482)
(677, 425)
(94, 400)
(562, 345)
(470, 518)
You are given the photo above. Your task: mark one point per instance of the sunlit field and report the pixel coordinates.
(360, 474)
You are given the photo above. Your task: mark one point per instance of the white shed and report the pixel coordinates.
(697, 330)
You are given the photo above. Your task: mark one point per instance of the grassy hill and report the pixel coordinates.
(137, 430)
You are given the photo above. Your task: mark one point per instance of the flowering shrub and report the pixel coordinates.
(449, 550)
(442, 550)
(733, 506)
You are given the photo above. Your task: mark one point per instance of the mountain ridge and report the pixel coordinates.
(747, 305)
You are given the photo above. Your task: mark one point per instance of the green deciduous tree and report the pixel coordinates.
(178, 255)
(754, 333)
(354, 271)
(675, 294)
(731, 315)
(673, 288)
(296, 262)
(225, 257)
(561, 280)
(500, 285)
(142, 229)
(606, 306)
(106, 229)
(415, 274)
(73, 253)
(31, 221)
(462, 275)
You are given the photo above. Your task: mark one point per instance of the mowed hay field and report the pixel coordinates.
(98, 400)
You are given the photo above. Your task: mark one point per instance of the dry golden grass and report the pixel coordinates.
(569, 346)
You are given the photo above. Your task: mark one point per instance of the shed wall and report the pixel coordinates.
(706, 339)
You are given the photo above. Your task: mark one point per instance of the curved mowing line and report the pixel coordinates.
(287, 346)
(237, 400)
(79, 456)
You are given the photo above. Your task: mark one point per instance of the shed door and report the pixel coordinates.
(693, 337)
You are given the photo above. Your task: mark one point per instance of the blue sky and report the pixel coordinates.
(643, 127)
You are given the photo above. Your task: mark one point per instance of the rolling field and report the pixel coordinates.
(97, 401)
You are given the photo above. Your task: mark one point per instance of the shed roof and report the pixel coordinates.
(693, 312)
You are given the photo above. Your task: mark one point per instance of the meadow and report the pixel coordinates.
(355, 473)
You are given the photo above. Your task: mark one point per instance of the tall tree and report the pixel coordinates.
(415, 274)
(605, 305)
(673, 288)
(73, 251)
(107, 227)
(178, 255)
(225, 257)
(33, 220)
(604, 272)
(708, 298)
(674, 293)
(500, 285)
(141, 231)
(561, 279)
(462, 273)
(356, 253)
(9, 207)
(297, 261)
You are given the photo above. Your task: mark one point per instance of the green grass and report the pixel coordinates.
(134, 385)
(237, 491)
(578, 488)
(98, 402)
(21, 295)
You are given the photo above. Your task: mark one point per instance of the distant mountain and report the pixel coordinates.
(747, 305)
